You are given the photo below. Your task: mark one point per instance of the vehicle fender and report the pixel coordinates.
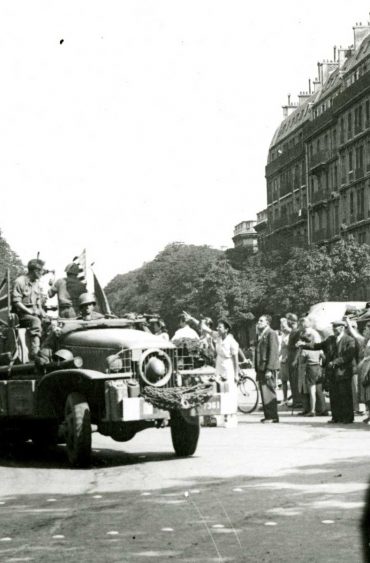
(54, 387)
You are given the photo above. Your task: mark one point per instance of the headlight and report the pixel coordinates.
(78, 362)
(114, 363)
(155, 368)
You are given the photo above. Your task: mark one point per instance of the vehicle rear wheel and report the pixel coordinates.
(78, 430)
(184, 432)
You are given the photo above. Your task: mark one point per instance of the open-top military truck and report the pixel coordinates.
(109, 375)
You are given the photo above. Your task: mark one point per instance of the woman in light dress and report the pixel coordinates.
(227, 363)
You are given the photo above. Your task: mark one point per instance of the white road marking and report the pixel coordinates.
(5, 539)
(98, 496)
(58, 537)
(113, 533)
(327, 521)
(270, 523)
(167, 530)
(218, 526)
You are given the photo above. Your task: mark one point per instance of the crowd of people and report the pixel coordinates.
(298, 359)
(295, 355)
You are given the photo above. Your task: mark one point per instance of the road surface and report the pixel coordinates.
(292, 491)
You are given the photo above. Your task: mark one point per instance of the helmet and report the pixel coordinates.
(35, 263)
(72, 268)
(86, 299)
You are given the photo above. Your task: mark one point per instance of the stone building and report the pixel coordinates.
(318, 169)
(245, 236)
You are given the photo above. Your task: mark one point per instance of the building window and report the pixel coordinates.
(342, 130)
(351, 207)
(349, 125)
(360, 203)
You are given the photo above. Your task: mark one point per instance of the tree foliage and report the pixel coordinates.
(239, 286)
(8, 259)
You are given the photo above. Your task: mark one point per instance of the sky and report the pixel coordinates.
(128, 125)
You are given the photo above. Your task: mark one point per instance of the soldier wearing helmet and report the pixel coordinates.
(27, 300)
(68, 291)
(87, 303)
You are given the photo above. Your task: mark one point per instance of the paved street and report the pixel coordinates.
(282, 492)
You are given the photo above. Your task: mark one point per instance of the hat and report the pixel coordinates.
(35, 263)
(86, 299)
(72, 268)
(291, 317)
(338, 322)
(225, 323)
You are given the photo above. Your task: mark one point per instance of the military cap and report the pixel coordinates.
(72, 268)
(338, 322)
(35, 263)
(86, 299)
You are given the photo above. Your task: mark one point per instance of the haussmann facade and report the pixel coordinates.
(318, 169)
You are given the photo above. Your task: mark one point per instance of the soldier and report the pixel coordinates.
(27, 303)
(87, 303)
(68, 291)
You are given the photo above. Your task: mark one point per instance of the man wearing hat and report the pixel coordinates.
(87, 303)
(68, 291)
(340, 351)
(27, 300)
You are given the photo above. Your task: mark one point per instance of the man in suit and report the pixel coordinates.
(340, 351)
(266, 364)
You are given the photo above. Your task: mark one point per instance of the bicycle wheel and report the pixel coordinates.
(247, 395)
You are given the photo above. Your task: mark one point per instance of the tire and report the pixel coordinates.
(77, 423)
(247, 394)
(184, 433)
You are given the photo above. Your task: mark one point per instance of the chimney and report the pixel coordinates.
(359, 33)
(316, 85)
(325, 68)
(343, 54)
(309, 86)
(289, 108)
(302, 97)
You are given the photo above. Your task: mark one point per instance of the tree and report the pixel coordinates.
(350, 267)
(8, 259)
(166, 285)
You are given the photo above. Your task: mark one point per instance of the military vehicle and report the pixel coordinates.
(112, 376)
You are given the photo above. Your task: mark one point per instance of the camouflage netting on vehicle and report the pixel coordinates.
(178, 398)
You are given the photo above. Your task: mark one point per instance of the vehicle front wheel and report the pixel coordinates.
(77, 422)
(184, 432)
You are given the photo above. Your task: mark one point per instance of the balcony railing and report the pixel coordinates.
(322, 121)
(349, 94)
(320, 235)
(262, 216)
(289, 155)
(320, 159)
(321, 195)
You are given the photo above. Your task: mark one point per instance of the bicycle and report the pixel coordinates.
(248, 395)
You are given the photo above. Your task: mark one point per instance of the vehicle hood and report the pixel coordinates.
(116, 338)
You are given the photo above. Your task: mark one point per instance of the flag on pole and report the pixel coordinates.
(89, 278)
(102, 304)
(81, 263)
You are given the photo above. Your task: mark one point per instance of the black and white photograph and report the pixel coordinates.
(184, 281)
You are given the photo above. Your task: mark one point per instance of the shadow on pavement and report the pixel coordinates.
(29, 456)
(307, 514)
